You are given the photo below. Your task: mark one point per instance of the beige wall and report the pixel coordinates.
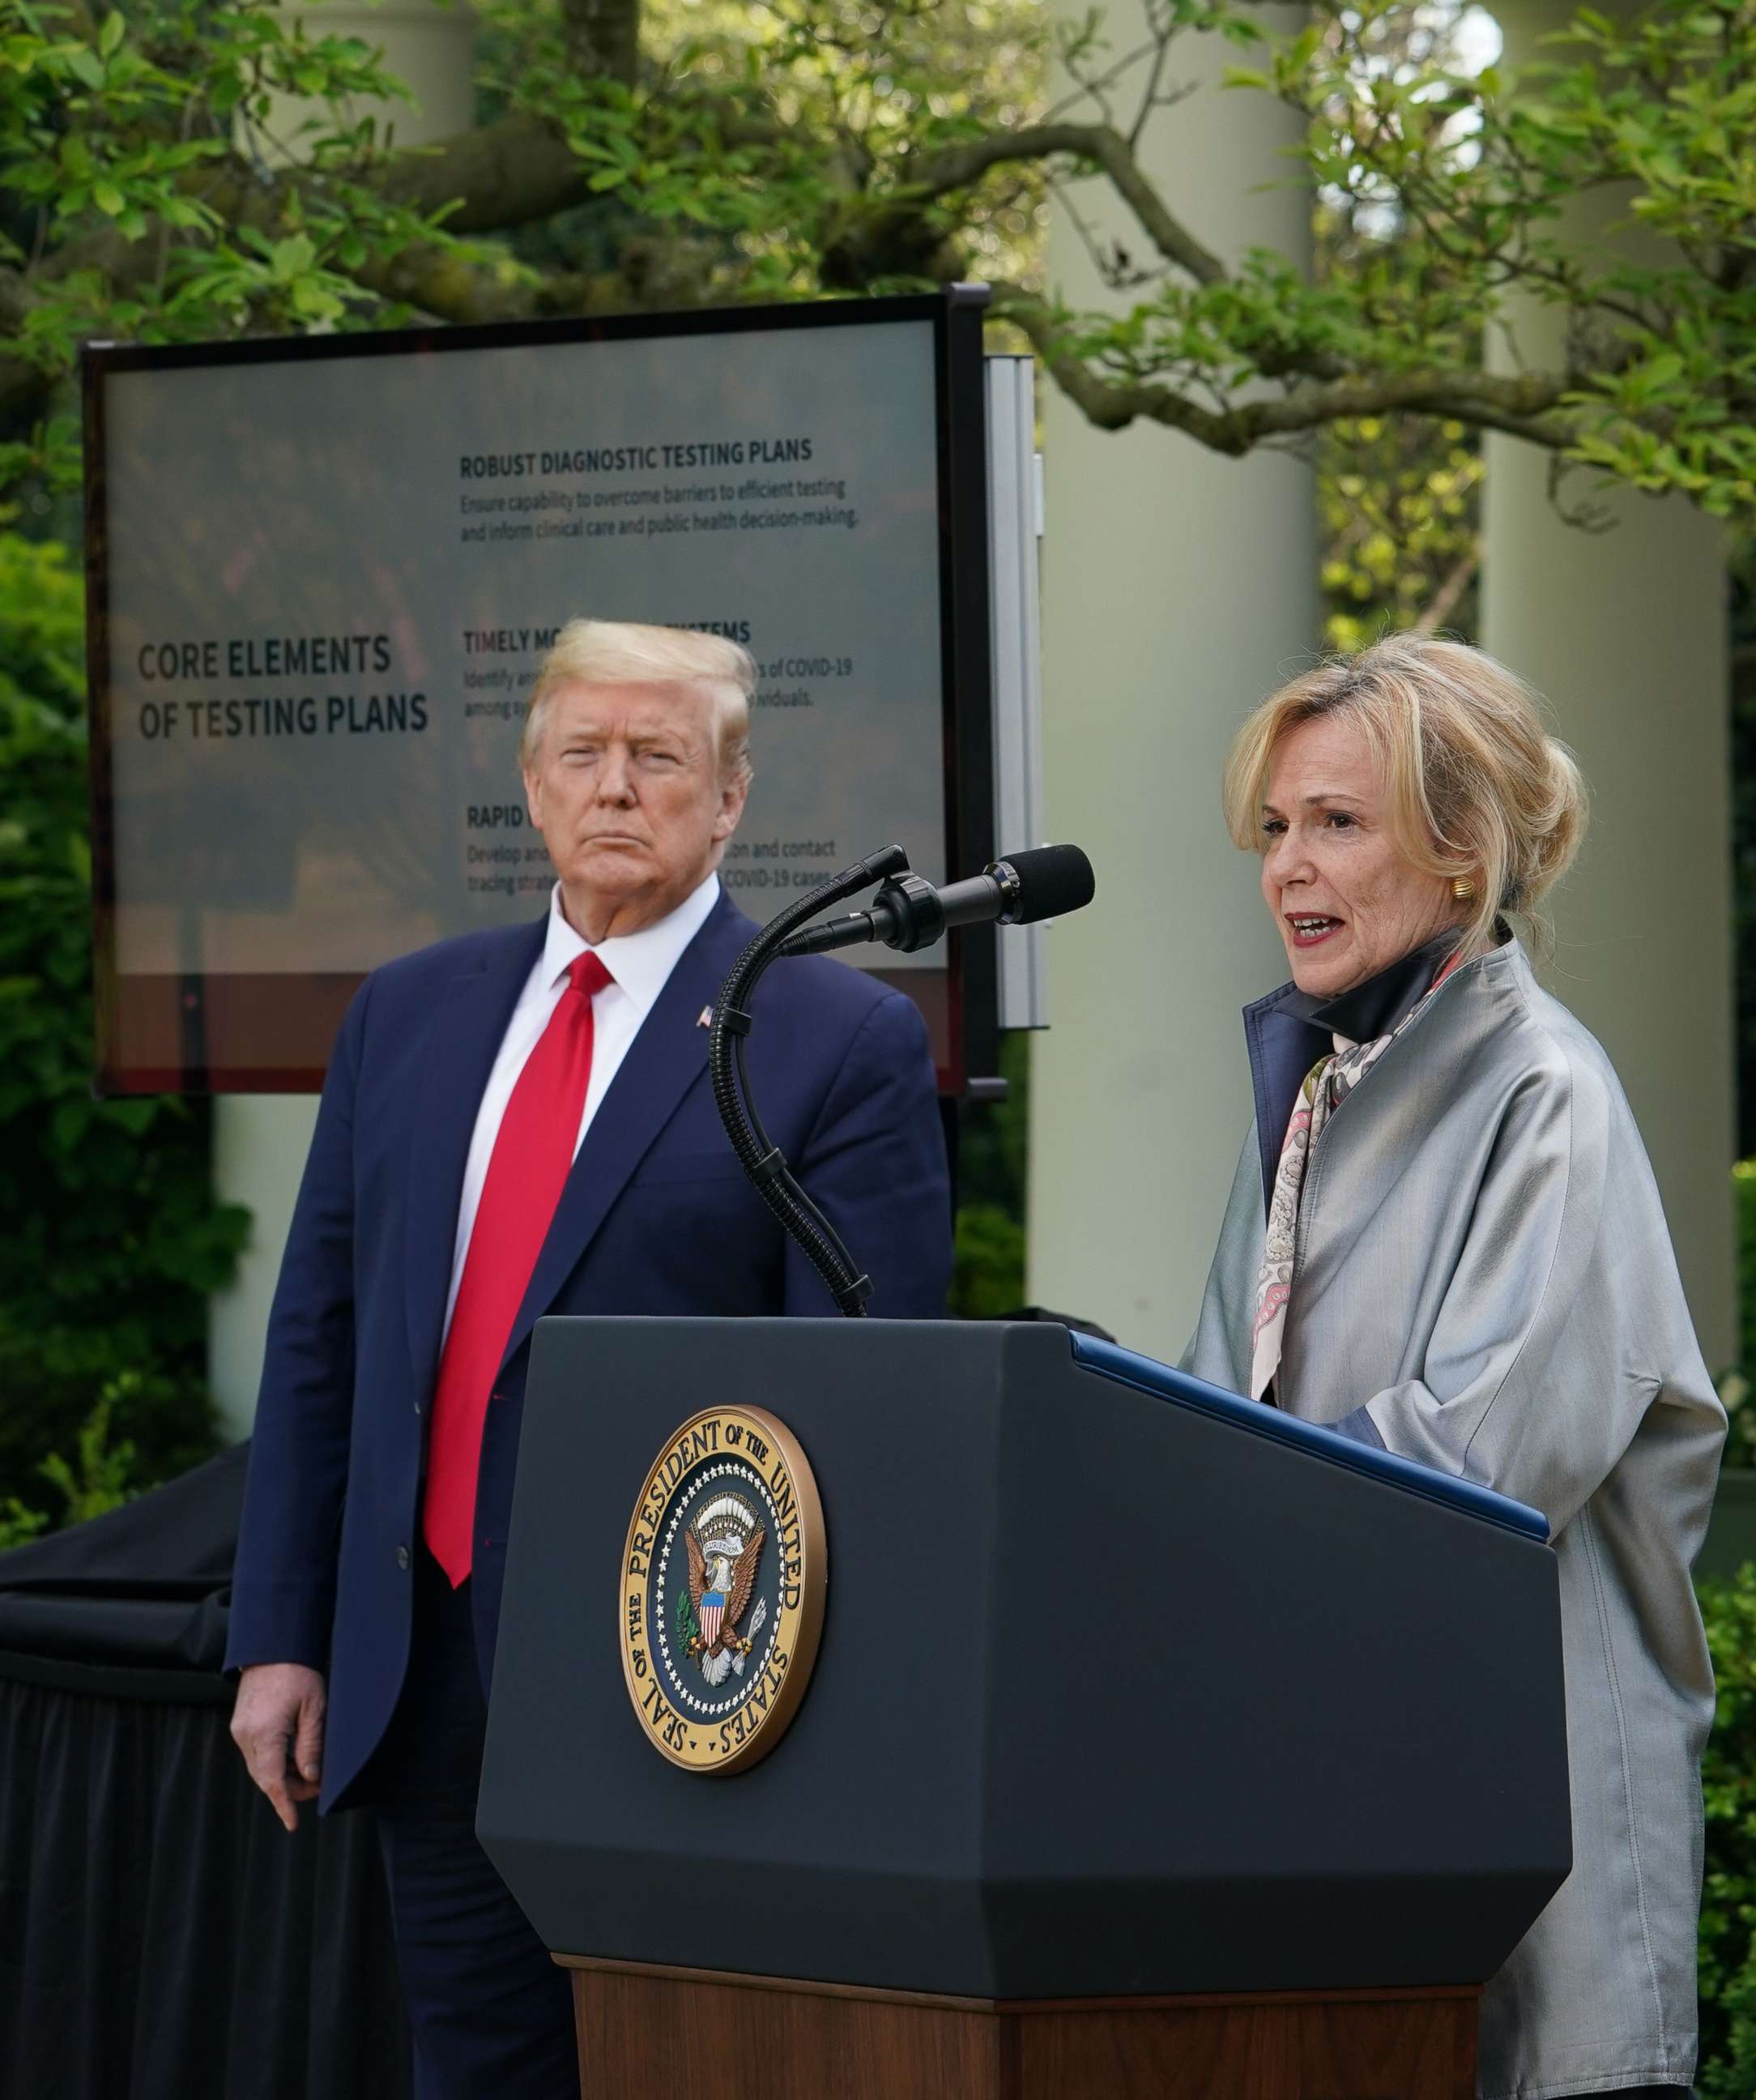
(1178, 588)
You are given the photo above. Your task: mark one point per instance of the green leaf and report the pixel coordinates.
(108, 199)
(314, 300)
(289, 259)
(110, 36)
(69, 1122)
(135, 1116)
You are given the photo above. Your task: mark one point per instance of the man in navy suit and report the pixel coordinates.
(515, 1123)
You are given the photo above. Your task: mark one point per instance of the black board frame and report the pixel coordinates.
(967, 1043)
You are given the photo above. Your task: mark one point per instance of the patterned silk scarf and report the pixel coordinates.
(1326, 1085)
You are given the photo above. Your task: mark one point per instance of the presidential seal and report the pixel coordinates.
(722, 1590)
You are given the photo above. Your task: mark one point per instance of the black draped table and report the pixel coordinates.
(161, 1936)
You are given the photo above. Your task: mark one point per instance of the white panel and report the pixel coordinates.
(1014, 526)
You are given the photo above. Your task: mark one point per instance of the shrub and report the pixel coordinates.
(113, 1240)
(97, 1478)
(989, 1276)
(1728, 1891)
(989, 1282)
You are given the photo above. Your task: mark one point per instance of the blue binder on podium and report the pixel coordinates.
(1147, 1374)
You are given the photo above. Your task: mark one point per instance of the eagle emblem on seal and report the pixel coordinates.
(724, 1549)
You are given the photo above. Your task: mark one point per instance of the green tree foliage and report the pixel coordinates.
(182, 170)
(1398, 497)
(1471, 179)
(1398, 504)
(112, 1239)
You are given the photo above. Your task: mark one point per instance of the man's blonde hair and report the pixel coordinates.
(622, 652)
(1474, 786)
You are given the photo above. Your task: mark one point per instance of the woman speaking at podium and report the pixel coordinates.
(1444, 1240)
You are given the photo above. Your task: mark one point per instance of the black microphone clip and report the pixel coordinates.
(909, 913)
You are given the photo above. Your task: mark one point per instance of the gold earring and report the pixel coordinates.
(1462, 889)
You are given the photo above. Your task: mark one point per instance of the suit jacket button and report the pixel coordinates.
(401, 1556)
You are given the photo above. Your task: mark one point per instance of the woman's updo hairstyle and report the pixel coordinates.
(1474, 786)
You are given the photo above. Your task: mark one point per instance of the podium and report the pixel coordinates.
(1155, 1744)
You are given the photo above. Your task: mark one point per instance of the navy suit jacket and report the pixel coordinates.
(656, 1218)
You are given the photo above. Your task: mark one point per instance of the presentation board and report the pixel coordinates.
(322, 572)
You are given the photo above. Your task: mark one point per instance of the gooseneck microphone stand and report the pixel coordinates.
(761, 1160)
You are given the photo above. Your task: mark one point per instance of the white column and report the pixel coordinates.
(1179, 588)
(260, 1141)
(429, 46)
(1624, 632)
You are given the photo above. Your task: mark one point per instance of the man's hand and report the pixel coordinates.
(278, 1723)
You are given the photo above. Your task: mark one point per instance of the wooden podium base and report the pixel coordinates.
(701, 2034)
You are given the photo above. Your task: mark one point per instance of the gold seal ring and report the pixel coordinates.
(720, 1604)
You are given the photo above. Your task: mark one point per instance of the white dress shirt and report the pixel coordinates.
(640, 964)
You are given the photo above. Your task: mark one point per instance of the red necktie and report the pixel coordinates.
(532, 1151)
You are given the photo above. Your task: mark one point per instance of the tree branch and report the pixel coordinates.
(960, 167)
(502, 175)
(1521, 403)
(893, 235)
(439, 282)
(1444, 601)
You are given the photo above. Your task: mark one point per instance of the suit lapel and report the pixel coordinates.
(663, 1060)
(458, 1056)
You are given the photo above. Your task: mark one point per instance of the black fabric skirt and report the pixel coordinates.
(161, 1936)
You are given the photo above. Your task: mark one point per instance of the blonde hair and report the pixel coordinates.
(1475, 787)
(621, 652)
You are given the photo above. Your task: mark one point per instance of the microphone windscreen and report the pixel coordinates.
(1052, 880)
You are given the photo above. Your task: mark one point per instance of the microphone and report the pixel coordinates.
(1044, 882)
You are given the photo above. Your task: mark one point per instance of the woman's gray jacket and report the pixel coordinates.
(1483, 1280)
